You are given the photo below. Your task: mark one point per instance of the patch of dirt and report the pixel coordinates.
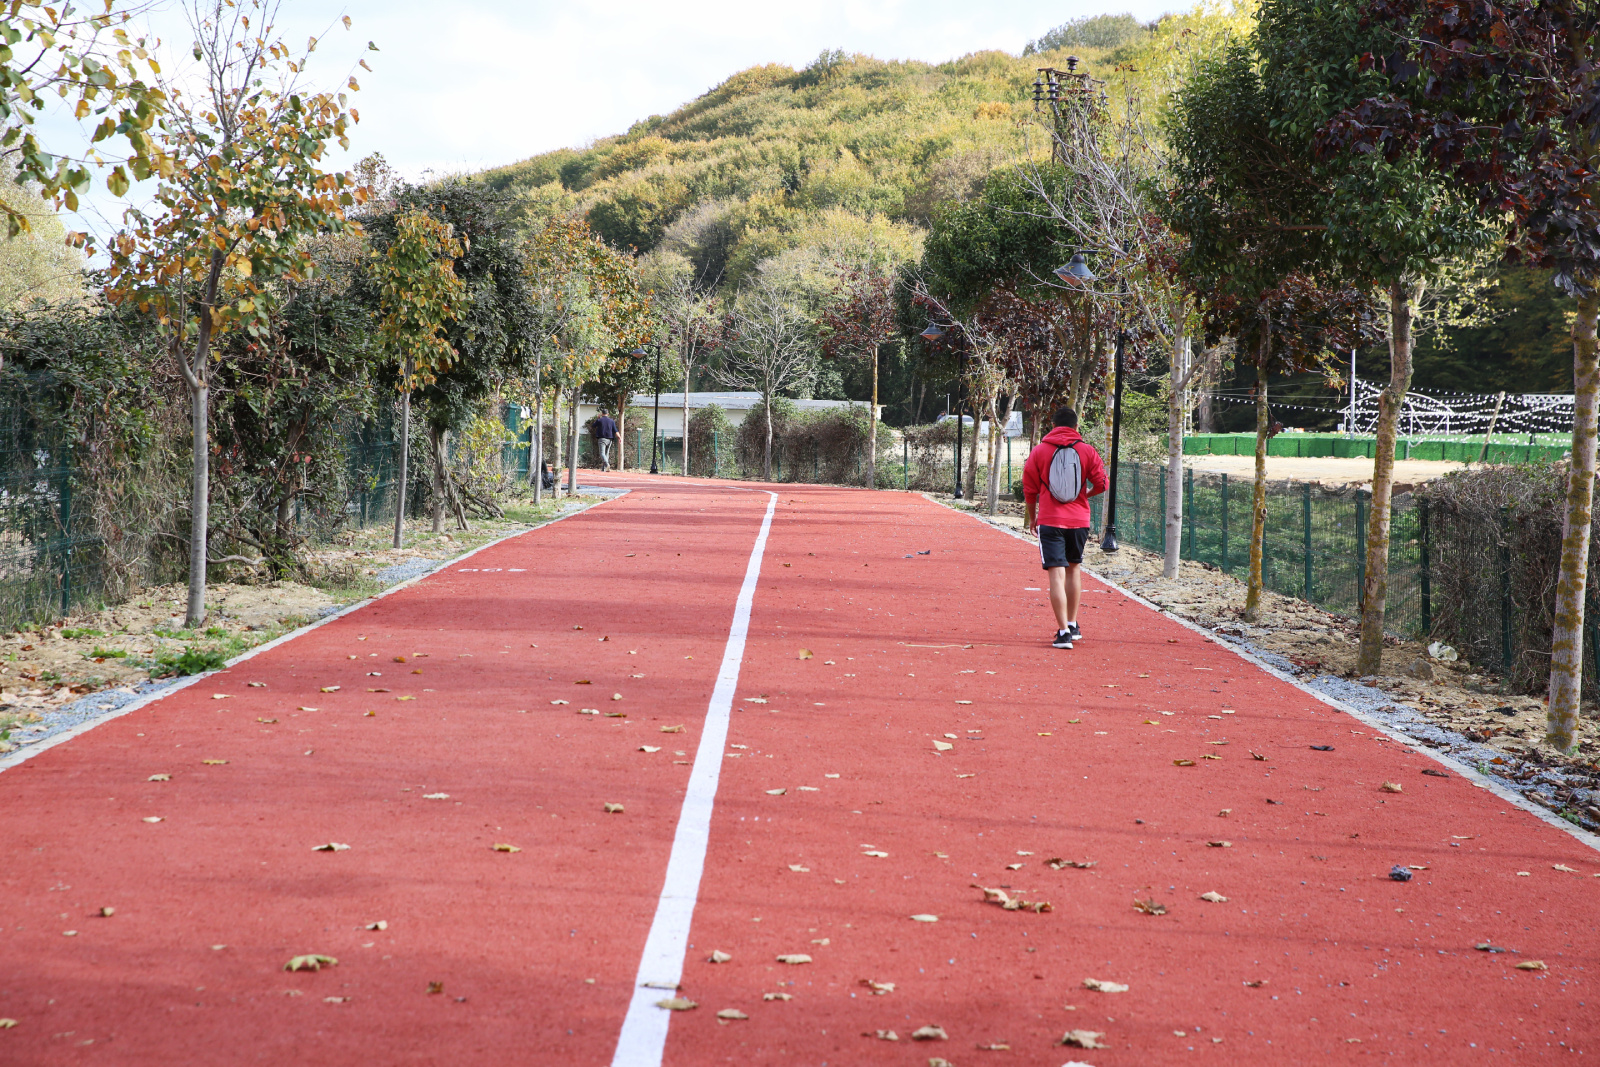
(1464, 702)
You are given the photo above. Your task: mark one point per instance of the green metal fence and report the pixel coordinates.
(1502, 447)
(1315, 545)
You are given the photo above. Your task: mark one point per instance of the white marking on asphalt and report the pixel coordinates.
(644, 1032)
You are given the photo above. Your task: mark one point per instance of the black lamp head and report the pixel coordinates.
(933, 332)
(639, 351)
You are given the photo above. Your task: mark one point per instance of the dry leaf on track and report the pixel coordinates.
(1214, 897)
(1532, 965)
(152, 818)
(381, 924)
(924, 918)
(805, 653)
(1183, 763)
(309, 963)
(1150, 907)
(649, 748)
(1010, 903)
(677, 1004)
(213, 762)
(776, 792)
(794, 958)
(221, 696)
(1219, 844)
(1553, 867)
(1104, 987)
(6, 1024)
(1392, 787)
(878, 988)
(875, 853)
(672, 729)
(167, 778)
(331, 846)
(1256, 755)
(330, 689)
(777, 996)
(929, 1033)
(614, 809)
(256, 685)
(731, 1013)
(718, 956)
(436, 796)
(1084, 1039)
(506, 848)
(942, 746)
(1058, 863)
(886, 1035)
(798, 869)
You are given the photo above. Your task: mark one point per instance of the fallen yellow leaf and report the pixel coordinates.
(506, 848)
(312, 962)
(614, 809)
(1104, 987)
(794, 958)
(159, 778)
(671, 1003)
(731, 1013)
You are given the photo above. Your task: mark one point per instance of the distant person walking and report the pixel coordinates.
(1058, 478)
(604, 431)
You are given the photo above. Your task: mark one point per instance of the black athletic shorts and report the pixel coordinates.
(1059, 546)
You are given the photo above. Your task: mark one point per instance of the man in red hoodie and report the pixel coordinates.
(1059, 477)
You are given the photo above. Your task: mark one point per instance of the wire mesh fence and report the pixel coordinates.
(1315, 543)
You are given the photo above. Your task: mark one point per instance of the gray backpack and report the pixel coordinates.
(1066, 475)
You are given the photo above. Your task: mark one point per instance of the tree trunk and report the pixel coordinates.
(572, 455)
(1177, 403)
(200, 504)
(616, 446)
(972, 450)
(766, 453)
(687, 372)
(872, 427)
(1258, 508)
(1375, 583)
(400, 476)
(437, 437)
(1566, 637)
(536, 445)
(997, 440)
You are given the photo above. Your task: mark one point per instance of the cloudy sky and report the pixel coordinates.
(469, 84)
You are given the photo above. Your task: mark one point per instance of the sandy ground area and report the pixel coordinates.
(1327, 471)
(125, 645)
(1503, 732)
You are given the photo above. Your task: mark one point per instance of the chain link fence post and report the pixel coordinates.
(66, 539)
(1424, 577)
(1505, 589)
(1188, 506)
(1225, 524)
(1305, 508)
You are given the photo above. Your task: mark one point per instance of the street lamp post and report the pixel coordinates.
(1077, 272)
(655, 429)
(933, 333)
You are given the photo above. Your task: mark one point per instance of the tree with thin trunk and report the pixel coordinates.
(1504, 99)
(1394, 223)
(770, 349)
(1186, 372)
(861, 318)
(418, 294)
(243, 190)
(692, 320)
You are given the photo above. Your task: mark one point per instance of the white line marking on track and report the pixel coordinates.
(644, 1032)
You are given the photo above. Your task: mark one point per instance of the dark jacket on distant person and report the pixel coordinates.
(605, 428)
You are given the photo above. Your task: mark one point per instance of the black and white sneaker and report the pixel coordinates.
(1077, 634)
(1063, 639)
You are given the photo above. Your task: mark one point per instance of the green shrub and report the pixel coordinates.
(189, 661)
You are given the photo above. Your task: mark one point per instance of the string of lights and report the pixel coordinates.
(1440, 414)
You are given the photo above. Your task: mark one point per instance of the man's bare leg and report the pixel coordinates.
(1063, 600)
(1072, 579)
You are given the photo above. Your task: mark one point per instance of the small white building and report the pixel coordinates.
(735, 405)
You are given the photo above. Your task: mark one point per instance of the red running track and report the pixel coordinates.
(1055, 754)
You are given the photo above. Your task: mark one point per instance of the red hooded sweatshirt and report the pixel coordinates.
(1036, 480)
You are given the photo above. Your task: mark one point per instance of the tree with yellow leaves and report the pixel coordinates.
(244, 187)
